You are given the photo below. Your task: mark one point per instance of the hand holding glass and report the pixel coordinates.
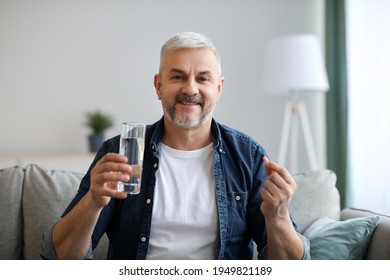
(132, 143)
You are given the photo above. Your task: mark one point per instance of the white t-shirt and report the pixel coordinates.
(184, 219)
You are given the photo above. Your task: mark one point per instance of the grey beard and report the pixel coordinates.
(185, 122)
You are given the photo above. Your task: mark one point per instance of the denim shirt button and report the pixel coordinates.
(155, 165)
(148, 201)
(143, 238)
(238, 197)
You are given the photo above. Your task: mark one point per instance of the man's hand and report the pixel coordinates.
(283, 242)
(105, 175)
(277, 192)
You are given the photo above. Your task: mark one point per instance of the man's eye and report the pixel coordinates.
(177, 77)
(204, 79)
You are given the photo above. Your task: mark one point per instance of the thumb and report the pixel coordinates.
(267, 166)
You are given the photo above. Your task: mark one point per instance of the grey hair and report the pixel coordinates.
(188, 40)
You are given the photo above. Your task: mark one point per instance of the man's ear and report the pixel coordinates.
(157, 85)
(220, 86)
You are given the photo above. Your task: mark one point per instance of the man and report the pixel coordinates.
(207, 190)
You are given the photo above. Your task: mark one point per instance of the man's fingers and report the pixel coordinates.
(267, 166)
(112, 167)
(112, 163)
(113, 177)
(272, 167)
(113, 157)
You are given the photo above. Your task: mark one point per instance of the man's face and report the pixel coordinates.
(189, 86)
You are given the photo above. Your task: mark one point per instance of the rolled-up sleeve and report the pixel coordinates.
(262, 255)
(48, 252)
(306, 247)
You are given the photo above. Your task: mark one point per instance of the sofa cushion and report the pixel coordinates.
(379, 248)
(11, 220)
(46, 195)
(340, 240)
(316, 196)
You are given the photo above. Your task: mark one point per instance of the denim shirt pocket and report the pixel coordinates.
(237, 210)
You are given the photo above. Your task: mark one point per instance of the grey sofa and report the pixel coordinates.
(32, 198)
(317, 196)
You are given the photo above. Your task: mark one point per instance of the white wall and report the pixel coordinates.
(59, 59)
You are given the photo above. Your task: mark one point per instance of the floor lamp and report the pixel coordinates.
(294, 64)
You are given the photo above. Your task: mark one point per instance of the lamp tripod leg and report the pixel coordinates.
(308, 136)
(285, 134)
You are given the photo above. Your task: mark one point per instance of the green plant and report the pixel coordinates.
(99, 121)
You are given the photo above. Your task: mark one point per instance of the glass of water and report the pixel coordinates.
(132, 143)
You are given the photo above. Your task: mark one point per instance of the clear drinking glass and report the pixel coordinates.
(132, 143)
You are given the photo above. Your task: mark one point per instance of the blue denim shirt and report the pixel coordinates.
(239, 176)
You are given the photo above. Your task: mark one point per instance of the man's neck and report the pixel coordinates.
(187, 139)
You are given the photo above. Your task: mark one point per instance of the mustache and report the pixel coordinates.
(184, 98)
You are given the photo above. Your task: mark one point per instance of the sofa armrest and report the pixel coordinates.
(379, 248)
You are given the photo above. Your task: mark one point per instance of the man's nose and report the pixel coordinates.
(190, 87)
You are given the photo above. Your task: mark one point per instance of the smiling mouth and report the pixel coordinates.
(188, 101)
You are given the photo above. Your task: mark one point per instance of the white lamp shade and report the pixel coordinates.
(294, 63)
